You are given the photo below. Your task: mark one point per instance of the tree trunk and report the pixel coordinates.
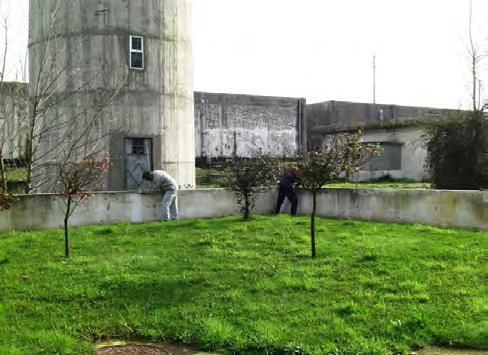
(3, 175)
(247, 207)
(312, 224)
(66, 228)
(474, 60)
(28, 161)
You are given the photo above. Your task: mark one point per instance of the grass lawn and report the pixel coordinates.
(18, 174)
(383, 185)
(361, 185)
(246, 287)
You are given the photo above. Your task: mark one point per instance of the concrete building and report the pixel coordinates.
(12, 126)
(399, 130)
(227, 124)
(94, 45)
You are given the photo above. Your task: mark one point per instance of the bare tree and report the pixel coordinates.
(76, 179)
(83, 161)
(64, 104)
(476, 55)
(6, 199)
(3, 120)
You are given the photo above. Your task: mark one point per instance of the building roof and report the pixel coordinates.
(337, 116)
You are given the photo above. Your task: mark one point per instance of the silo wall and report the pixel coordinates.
(79, 54)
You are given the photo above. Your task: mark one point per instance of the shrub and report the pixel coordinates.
(6, 200)
(457, 151)
(248, 176)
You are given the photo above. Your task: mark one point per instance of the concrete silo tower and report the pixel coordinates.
(81, 51)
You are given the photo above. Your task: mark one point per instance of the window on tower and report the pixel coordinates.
(136, 52)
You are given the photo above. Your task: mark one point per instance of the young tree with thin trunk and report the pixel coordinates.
(3, 120)
(457, 145)
(76, 180)
(341, 154)
(83, 162)
(476, 54)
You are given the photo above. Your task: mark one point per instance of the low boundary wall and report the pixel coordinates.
(443, 208)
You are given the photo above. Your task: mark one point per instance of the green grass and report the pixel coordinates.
(246, 287)
(361, 185)
(383, 185)
(17, 174)
(210, 185)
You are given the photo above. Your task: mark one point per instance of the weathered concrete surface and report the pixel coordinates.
(88, 45)
(411, 149)
(13, 97)
(335, 116)
(443, 208)
(228, 124)
(45, 210)
(436, 207)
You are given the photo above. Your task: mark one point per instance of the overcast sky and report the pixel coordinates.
(323, 49)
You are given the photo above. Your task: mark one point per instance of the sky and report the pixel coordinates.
(323, 49)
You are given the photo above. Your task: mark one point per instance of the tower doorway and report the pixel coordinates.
(137, 160)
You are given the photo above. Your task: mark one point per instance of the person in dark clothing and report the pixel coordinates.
(286, 188)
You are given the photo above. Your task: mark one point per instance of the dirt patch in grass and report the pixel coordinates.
(122, 348)
(446, 351)
(131, 350)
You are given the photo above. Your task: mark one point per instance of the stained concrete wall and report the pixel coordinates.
(88, 47)
(443, 208)
(13, 105)
(411, 150)
(336, 116)
(227, 124)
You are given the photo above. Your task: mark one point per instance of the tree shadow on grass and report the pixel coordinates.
(202, 224)
(148, 310)
(153, 293)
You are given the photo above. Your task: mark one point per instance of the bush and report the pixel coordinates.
(248, 176)
(457, 151)
(6, 200)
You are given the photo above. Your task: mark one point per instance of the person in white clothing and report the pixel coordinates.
(161, 180)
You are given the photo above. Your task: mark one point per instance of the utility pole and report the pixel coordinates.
(374, 78)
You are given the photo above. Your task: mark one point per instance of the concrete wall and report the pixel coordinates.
(244, 124)
(336, 116)
(88, 47)
(443, 208)
(13, 117)
(412, 153)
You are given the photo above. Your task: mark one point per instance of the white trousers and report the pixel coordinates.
(170, 205)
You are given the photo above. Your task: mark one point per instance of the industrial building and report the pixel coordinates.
(399, 130)
(155, 120)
